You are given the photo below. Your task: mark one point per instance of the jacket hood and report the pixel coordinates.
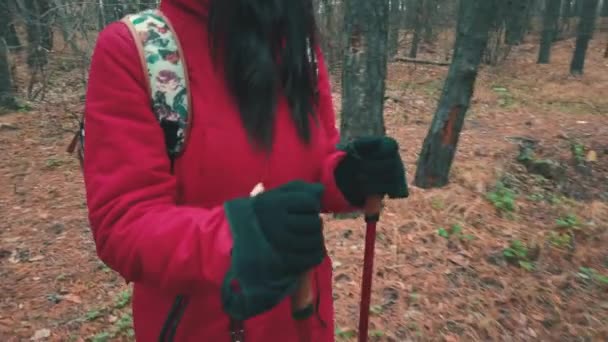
(193, 7)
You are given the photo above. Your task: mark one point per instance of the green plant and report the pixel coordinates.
(101, 337)
(376, 333)
(536, 197)
(578, 152)
(568, 221)
(123, 299)
(560, 240)
(92, 315)
(517, 253)
(345, 334)
(125, 324)
(592, 274)
(437, 203)
(376, 309)
(502, 198)
(455, 230)
(53, 163)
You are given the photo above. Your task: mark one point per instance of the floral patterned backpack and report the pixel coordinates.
(167, 78)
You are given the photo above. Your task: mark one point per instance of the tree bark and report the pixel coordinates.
(550, 29)
(586, 27)
(7, 96)
(364, 69)
(475, 19)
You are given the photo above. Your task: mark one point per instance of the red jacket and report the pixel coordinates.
(167, 233)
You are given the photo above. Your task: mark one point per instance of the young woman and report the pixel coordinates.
(189, 229)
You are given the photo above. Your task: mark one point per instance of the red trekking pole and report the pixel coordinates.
(373, 205)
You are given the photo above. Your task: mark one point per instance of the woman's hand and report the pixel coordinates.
(277, 237)
(372, 166)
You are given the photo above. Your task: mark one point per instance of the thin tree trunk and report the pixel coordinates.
(550, 28)
(475, 19)
(395, 25)
(39, 32)
(517, 17)
(585, 33)
(565, 18)
(7, 28)
(429, 14)
(364, 70)
(417, 7)
(7, 96)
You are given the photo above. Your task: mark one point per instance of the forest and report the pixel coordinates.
(501, 111)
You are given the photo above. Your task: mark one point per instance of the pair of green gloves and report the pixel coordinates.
(277, 235)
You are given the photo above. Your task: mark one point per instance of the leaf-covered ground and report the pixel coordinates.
(513, 249)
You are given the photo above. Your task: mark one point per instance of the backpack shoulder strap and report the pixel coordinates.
(167, 76)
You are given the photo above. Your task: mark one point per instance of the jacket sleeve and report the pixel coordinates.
(138, 229)
(333, 199)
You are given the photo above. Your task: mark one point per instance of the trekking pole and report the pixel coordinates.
(373, 206)
(302, 307)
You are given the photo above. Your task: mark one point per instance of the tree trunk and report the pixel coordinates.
(565, 18)
(604, 12)
(475, 19)
(417, 8)
(586, 27)
(517, 17)
(7, 28)
(550, 27)
(7, 97)
(113, 10)
(429, 15)
(580, 7)
(39, 32)
(395, 25)
(364, 69)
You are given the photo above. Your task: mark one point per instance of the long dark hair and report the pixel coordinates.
(267, 49)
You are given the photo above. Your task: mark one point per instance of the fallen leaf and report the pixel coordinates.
(538, 317)
(592, 156)
(36, 258)
(14, 258)
(112, 318)
(40, 334)
(451, 338)
(73, 298)
(459, 260)
(532, 332)
(7, 126)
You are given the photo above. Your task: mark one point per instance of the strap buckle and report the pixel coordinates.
(237, 331)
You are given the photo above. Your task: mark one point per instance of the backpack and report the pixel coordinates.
(162, 62)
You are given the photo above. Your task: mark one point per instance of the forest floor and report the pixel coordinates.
(513, 249)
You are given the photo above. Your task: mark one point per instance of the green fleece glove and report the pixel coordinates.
(372, 166)
(277, 236)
